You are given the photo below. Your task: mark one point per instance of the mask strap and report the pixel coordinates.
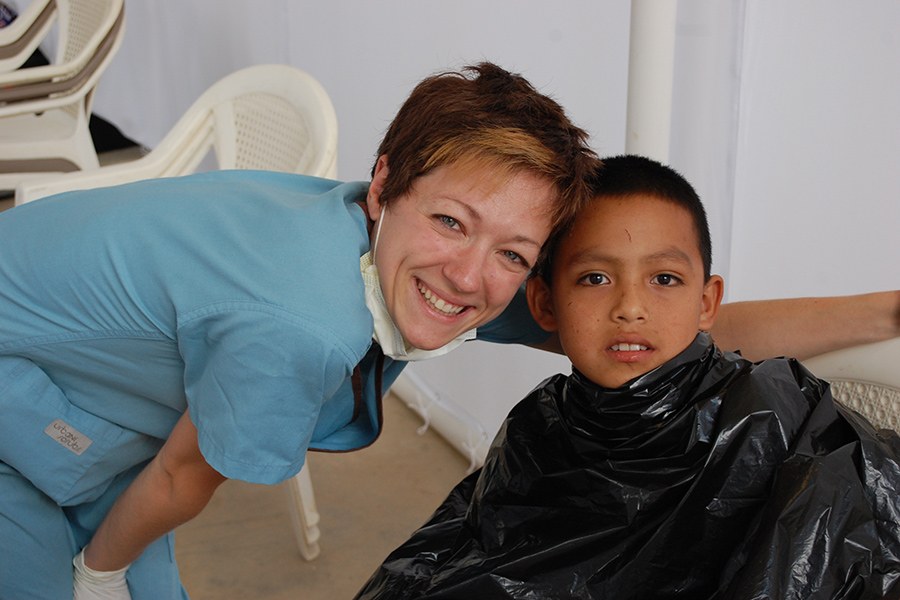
(377, 234)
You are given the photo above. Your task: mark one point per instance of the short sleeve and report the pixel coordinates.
(256, 378)
(515, 325)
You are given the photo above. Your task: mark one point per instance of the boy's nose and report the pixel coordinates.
(630, 306)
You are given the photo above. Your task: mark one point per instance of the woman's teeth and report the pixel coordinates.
(439, 304)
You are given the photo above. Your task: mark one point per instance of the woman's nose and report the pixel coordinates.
(464, 269)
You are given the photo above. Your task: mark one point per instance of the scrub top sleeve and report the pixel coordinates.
(255, 380)
(515, 325)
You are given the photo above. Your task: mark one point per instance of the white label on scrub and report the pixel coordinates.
(68, 437)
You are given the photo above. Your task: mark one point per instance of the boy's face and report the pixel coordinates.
(628, 288)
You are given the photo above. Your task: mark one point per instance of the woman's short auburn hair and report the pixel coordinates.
(485, 115)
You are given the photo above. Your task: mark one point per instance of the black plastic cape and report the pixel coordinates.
(709, 477)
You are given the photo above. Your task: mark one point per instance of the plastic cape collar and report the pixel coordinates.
(710, 477)
(644, 415)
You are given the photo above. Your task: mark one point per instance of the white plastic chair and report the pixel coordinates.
(45, 110)
(271, 117)
(865, 378)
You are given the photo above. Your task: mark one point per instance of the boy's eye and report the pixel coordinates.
(595, 279)
(666, 279)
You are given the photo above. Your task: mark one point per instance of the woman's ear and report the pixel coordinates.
(541, 303)
(373, 199)
(713, 291)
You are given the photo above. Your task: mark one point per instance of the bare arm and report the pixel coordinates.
(805, 327)
(171, 490)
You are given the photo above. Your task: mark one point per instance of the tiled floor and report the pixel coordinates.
(242, 545)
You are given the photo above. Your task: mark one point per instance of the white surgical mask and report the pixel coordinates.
(386, 333)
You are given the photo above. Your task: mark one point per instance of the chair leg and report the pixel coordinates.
(81, 147)
(304, 514)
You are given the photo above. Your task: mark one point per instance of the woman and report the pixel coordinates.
(159, 338)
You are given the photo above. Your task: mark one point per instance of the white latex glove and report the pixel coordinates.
(97, 585)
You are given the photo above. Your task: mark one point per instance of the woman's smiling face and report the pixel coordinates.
(452, 252)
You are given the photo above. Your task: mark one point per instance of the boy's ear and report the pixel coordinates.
(373, 198)
(541, 304)
(712, 299)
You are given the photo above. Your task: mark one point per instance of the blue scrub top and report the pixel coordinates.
(234, 293)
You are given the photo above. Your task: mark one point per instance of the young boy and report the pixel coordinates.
(661, 467)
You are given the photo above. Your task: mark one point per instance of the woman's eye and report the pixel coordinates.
(666, 279)
(516, 258)
(449, 222)
(595, 279)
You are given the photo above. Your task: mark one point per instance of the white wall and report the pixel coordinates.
(368, 55)
(817, 184)
(788, 123)
(785, 118)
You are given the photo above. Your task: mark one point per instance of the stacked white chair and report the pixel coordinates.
(45, 110)
(270, 117)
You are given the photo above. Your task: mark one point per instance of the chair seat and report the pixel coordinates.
(22, 129)
(11, 181)
(55, 141)
(866, 379)
(878, 404)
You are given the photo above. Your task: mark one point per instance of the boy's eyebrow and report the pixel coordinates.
(591, 255)
(670, 254)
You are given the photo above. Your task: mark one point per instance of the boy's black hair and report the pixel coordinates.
(628, 175)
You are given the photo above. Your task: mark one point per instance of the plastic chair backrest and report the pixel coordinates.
(272, 117)
(865, 378)
(269, 117)
(89, 30)
(21, 38)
